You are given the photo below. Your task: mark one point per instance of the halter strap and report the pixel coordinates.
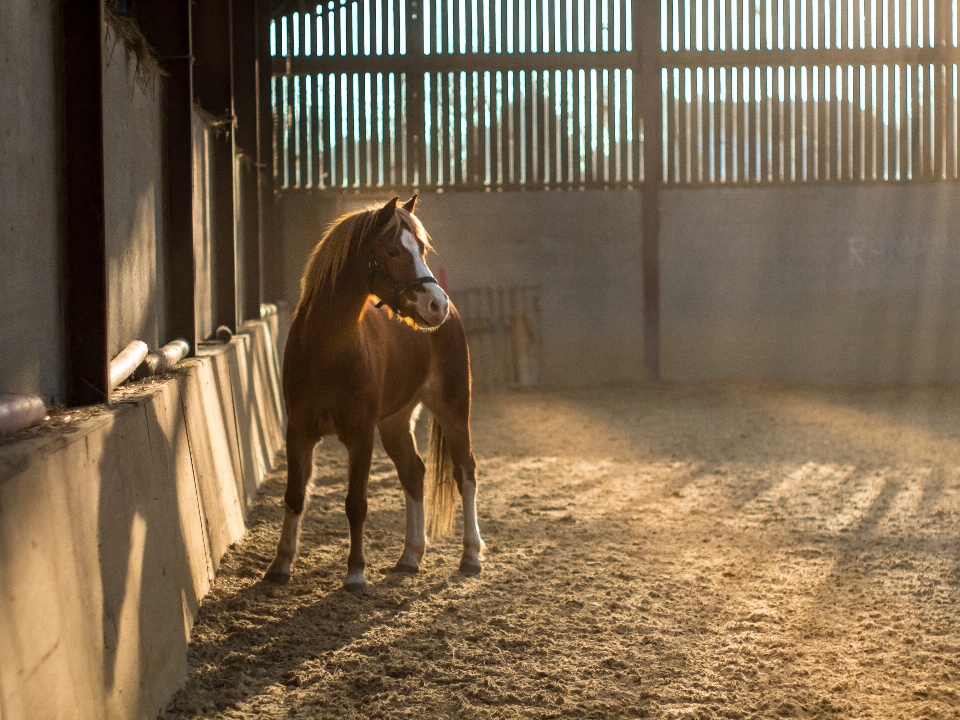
(398, 289)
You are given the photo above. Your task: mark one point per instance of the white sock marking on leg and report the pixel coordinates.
(415, 541)
(471, 530)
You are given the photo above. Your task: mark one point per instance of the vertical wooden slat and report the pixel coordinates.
(368, 127)
(511, 127)
(348, 116)
(941, 116)
(822, 110)
(861, 129)
(839, 124)
(835, 124)
(782, 104)
(731, 117)
(528, 154)
(744, 127)
(899, 163)
(954, 130)
(700, 126)
(711, 140)
(875, 101)
(762, 125)
(918, 137)
(686, 125)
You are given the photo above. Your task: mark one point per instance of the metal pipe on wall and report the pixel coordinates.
(126, 361)
(19, 412)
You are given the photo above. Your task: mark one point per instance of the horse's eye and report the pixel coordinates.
(393, 252)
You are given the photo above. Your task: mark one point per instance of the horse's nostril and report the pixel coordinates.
(435, 306)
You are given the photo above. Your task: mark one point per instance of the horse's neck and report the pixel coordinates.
(336, 309)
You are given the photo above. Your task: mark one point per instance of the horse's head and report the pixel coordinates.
(399, 275)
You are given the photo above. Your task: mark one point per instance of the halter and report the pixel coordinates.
(398, 288)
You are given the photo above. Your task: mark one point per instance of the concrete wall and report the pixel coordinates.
(31, 330)
(582, 249)
(112, 525)
(851, 284)
(824, 284)
(133, 185)
(32, 358)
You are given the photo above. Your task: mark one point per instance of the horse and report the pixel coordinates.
(373, 339)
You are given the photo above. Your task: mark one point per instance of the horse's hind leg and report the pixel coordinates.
(456, 431)
(396, 434)
(465, 473)
(299, 468)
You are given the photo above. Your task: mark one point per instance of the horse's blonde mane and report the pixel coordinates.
(330, 254)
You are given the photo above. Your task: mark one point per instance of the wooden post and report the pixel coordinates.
(415, 126)
(86, 243)
(246, 109)
(212, 91)
(167, 26)
(647, 47)
(271, 274)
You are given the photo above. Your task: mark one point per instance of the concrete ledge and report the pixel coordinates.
(112, 527)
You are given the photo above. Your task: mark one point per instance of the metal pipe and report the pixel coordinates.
(123, 365)
(19, 412)
(162, 359)
(267, 309)
(172, 353)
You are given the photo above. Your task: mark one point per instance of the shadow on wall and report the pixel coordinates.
(149, 600)
(841, 283)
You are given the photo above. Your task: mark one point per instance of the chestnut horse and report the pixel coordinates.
(374, 337)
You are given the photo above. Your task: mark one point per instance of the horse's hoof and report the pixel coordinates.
(406, 569)
(277, 578)
(469, 567)
(356, 587)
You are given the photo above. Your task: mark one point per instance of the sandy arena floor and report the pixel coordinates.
(720, 551)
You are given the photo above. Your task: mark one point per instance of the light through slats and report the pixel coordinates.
(564, 124)
(498, 94)
(804, 124)
(820, 114)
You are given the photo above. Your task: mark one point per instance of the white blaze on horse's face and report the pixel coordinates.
(431, 301)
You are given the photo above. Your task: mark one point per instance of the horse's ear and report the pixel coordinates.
(411, 204)
(387, 212)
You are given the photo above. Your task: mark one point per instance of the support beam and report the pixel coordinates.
(246, 108)
(213, 92)
(647, 40)
(167, 25)
(86, 246)
(415, 88)
(271, 273)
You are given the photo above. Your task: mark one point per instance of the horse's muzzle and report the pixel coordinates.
(432, 307)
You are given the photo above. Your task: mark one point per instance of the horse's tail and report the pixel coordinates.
(441, 487)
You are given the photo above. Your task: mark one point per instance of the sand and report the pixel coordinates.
(679, 551)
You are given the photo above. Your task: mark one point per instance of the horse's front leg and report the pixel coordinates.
(299, 468)
(360, 449)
